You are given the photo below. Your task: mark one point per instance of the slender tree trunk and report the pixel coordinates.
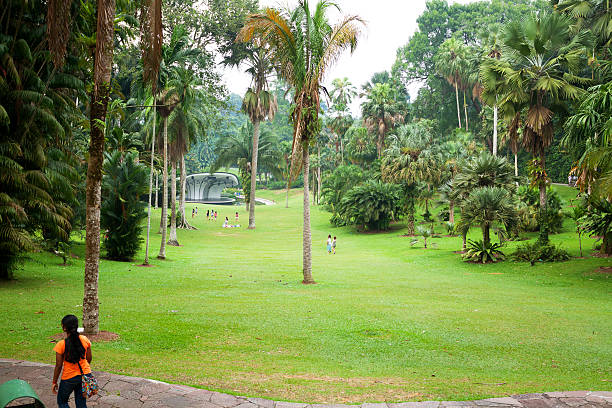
(516, 164)
(173, 240)
(156, 189)
(254, 173)
(543, 237)
(341, 151)
(146, 260)
(580, 242)
(164, 211)
(458, 108)
(319, 174)
(102, 75)
(495, 130)
(307, 238)
(379, 143)
(451, 211)
(184, 223)
(467, 126)
(287, 196)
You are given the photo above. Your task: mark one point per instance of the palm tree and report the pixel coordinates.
(485, 170)
(381, 113)
(590, 128)
(238, 149)
(303, 46)
(451, 63)
(593, 15)
(99, 101)
(259, 104)
(491, 43)
(151, 41)
(539, 70)
(411, 158)
(486, 206)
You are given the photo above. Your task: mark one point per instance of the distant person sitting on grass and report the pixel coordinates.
(329, 244)
(74, 354)
(192, 212)
(334, 246)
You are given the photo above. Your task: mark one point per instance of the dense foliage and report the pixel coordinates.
(371, 205)
(122, 211)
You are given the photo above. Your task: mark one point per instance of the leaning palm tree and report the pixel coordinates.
(303, 46)
(259, 104)
(539, 70)
(381, 113)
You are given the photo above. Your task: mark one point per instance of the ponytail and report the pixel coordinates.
(74, 351)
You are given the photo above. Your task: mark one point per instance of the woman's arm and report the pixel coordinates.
(88, 354)
(59, 362)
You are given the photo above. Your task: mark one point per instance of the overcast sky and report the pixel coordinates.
(390, 23)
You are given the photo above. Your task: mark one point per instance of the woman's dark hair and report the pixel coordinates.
(74, 351)
(329, 236)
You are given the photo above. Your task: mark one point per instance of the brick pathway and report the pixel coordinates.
(127, 392)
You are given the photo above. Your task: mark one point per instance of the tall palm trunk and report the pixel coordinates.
(307, 238)
(543, 237)
(319, 174)
(184, 223)
(173, 240)
(516, 164)
(254, 173)
(156, 189)
(164, 211)
(146, 260)
(103, 60)
(451, 211)
(458, 108)
(287, 195)
(495, 130)
(467, 126)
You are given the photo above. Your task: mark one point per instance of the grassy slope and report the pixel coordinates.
(386, 321)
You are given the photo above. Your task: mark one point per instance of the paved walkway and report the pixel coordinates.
(126, 392)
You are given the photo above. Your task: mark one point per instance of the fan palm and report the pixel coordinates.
(539, 73)
(411, 158)
(486, 206)
(491, 44)
(303, 46)
(381, 113)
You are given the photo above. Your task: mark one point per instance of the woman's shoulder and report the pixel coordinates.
(86, 342)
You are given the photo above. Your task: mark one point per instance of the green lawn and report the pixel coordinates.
(386, 321)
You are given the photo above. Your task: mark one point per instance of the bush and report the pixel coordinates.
(535, 252)
(479, 251)
(372, 205)
(122, 212)
(530, 206)
(277, 185)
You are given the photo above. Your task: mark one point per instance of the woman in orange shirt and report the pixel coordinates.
(74, 354)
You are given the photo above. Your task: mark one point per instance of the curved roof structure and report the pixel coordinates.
(206, 187)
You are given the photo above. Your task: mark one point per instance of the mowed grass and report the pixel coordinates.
(385, 322)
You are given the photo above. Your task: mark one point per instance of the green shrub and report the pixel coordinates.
(122, 212)
(534, 252)
(371, 205)
(277, 185)
(479, 251)
(529, 208)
